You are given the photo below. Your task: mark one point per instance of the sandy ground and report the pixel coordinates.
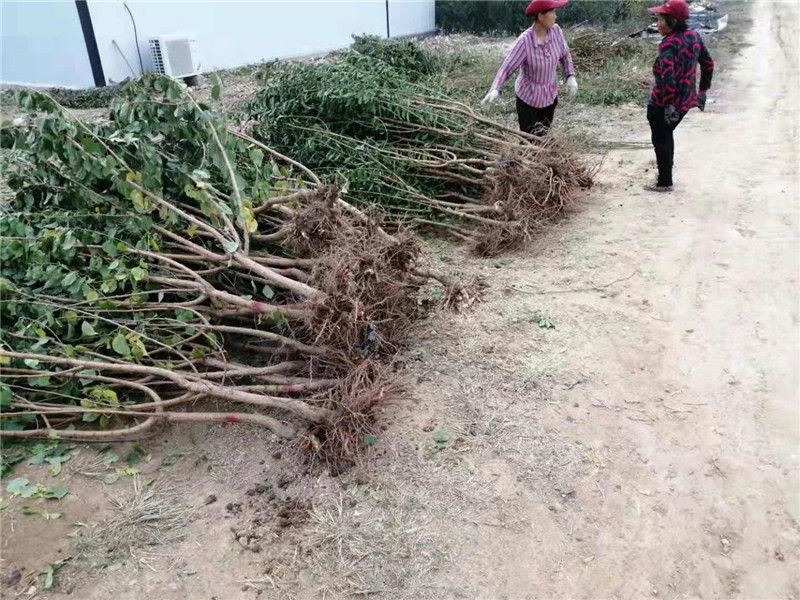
(688, 397)
(646, 446)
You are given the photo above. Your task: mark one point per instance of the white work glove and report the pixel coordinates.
(490, 98)
(572, 86)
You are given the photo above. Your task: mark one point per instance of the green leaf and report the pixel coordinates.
(370, 440)
(41, 381)
(50, 572)
(441, 437)
(5, 396)
(59, 491)
(133, 458)
(29, 491)
(16, 485)
(91, 146)
(142, 451)
(49, 577)
(230, 247)
(37, 458)
(268, 292)
(138, 274)
(31, 362)
(29, 510)
(110, 457)
(55, 464)
(48, 516)
(110, 248)
(69, 279)
(545, 323)
(257, 156)
(184, 316)
(111, 479)
(215, 91)
(87, 330)
(120, 345)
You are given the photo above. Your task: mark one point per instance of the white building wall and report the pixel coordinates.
(411, 17)
(42, 45)
(231, 33)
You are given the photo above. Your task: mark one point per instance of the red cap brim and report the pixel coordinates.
(540, 7)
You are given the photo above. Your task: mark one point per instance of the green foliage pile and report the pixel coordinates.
(147, 259)
(98, 97)
(407, 146)
(412, 59)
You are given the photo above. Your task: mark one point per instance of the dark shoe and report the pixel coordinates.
(654, 187)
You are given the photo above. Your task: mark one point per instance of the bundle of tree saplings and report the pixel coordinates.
(406, 145)
(162, 267)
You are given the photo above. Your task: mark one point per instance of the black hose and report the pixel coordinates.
(135, 37)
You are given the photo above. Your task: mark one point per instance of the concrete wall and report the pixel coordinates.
(230, 33)
(41, 45)
(42, 42)
(411, 17)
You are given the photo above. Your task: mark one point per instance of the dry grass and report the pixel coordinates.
(396, 523)
(152, 515)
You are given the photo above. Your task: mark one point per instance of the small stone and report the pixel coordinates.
(210, 499)
(243, 542)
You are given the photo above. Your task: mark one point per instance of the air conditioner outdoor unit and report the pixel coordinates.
(175, 56)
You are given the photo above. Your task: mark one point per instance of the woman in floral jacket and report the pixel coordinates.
(675, 88)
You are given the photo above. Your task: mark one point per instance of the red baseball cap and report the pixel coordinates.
(542, 6)
(675, 8)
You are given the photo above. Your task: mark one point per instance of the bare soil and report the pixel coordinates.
(618, 418)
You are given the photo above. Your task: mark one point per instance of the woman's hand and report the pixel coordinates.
(490, 98)
(572, 86)
(671, 116)
(701, 100)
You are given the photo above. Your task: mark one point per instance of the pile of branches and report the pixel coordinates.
(592, 49)
(163, 267)
(408, 146)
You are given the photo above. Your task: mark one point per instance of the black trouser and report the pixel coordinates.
(663, 142)
(535, 120)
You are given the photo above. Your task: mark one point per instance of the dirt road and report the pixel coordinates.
(684, 376)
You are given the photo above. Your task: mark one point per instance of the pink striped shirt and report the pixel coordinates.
(537, 85)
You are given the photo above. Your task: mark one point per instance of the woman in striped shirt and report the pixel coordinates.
(537, 52)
